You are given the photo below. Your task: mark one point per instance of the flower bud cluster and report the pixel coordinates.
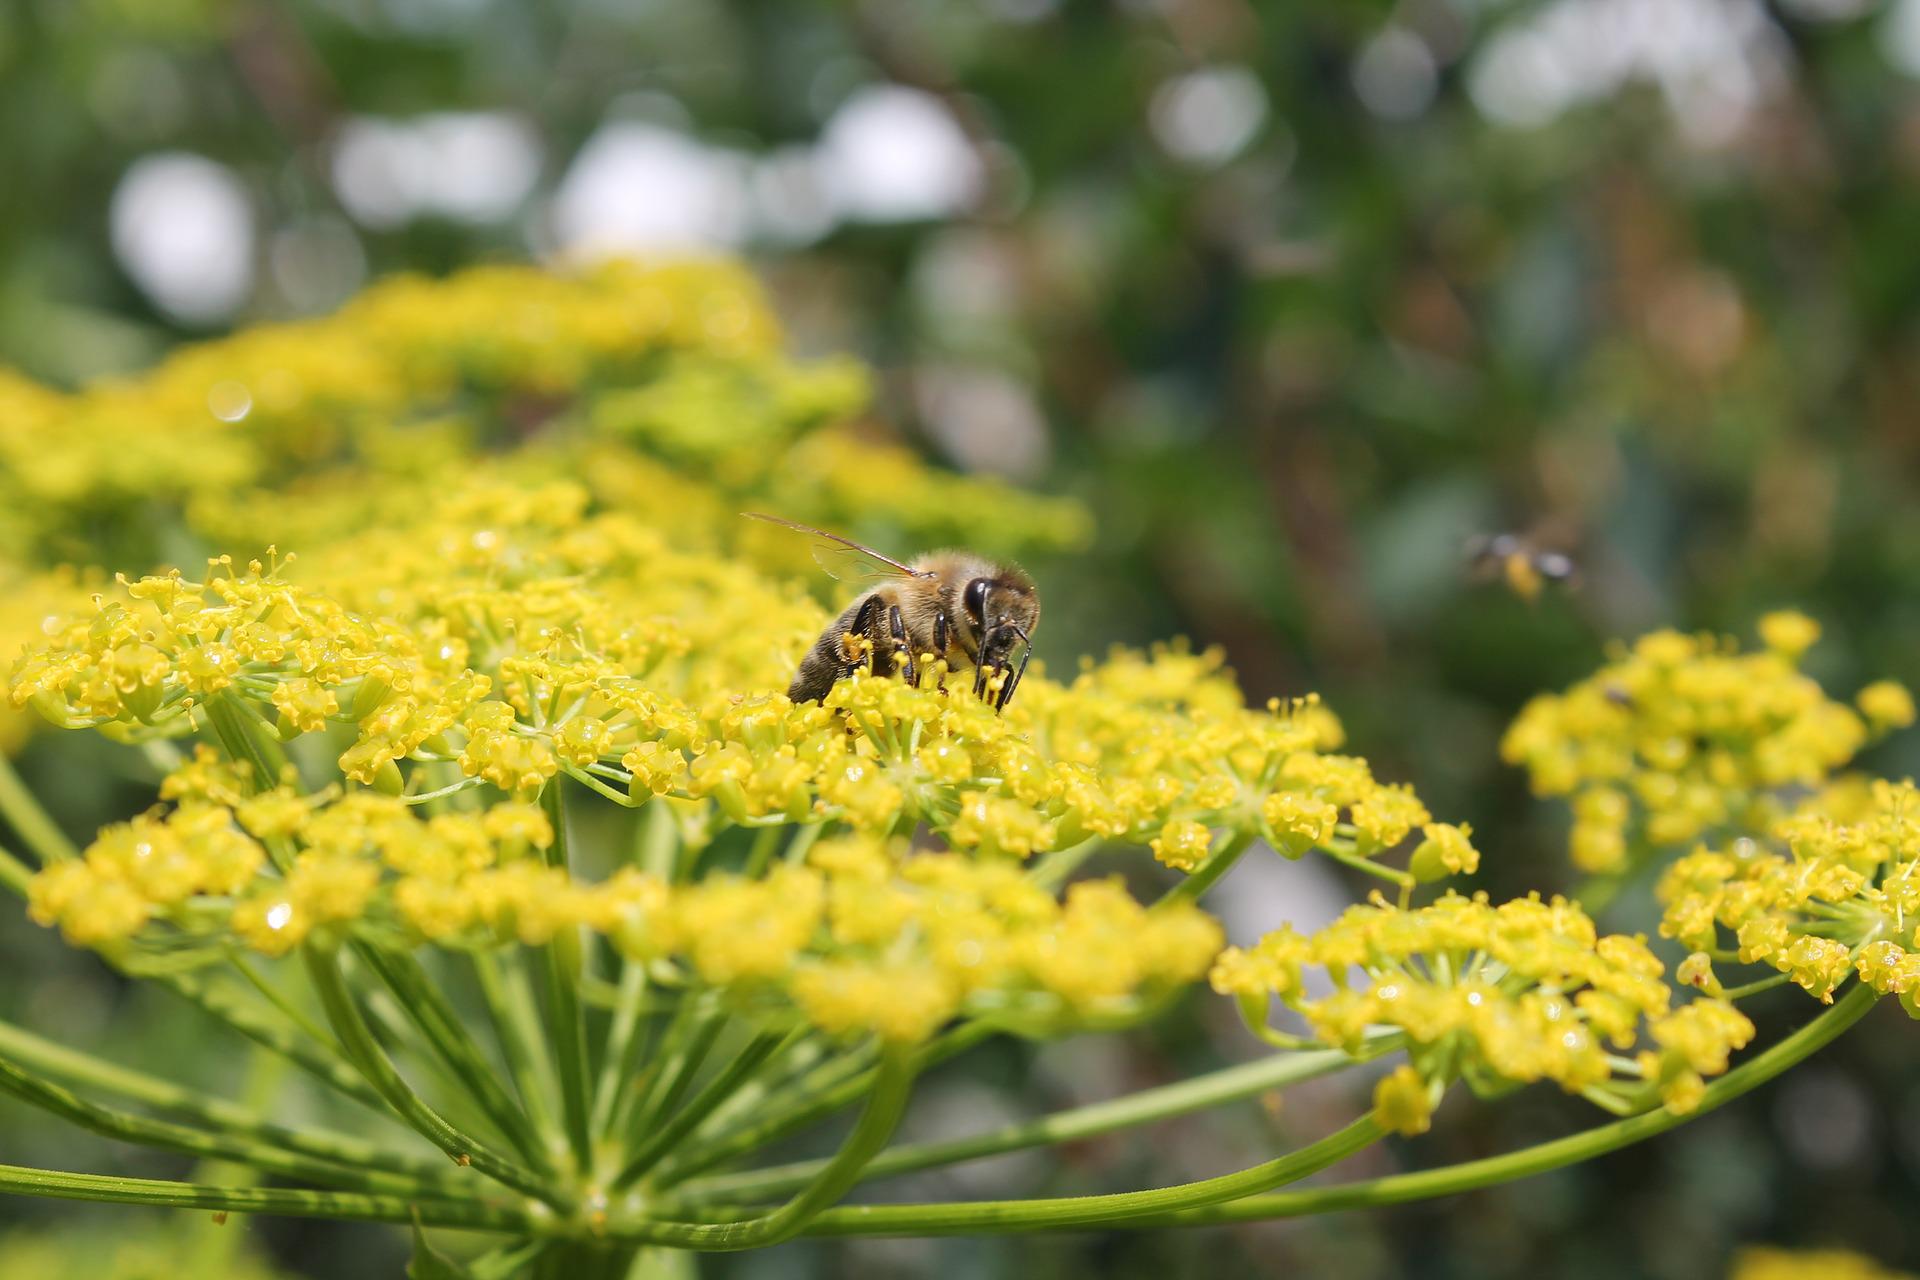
(1682, 736)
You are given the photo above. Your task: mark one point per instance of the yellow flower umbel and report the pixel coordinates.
(1497, 995)
(509, 662)
(1822, 900)
(518, 637)
(1680, 737)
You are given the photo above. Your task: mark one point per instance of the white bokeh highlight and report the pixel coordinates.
(182, 228)
(791, 203)
(1207, 117)
(637, 187)
(1715, 62)
(475, 167)
(316, 263)
(894, 154)
(1900, 36)
(1395, 76)
(983, 419)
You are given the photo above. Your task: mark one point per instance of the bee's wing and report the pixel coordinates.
(843, 557)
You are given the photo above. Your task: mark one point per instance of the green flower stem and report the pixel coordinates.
(785, 1107)
(810, 1108)
(664, 1139)
(1218, 863)
(1366, 866)
(245, 737)
(1123, 1207)
(656, 841)
(677, 1072)
(594, 784)
(795, 854)
(568, 1024)
(920, 1220)
(1052, 871)
(569, 1039)
(1145, 1107)
(665, 1264)
(357, 1039)
(1755, 987)
(441, 793)
(182, 1103)
(427, 1007)
(278, 998)
(516, 1025)
(777, 1081)
(765, 841)
(638, 1070)
(467, 1213)
(638, 1088)
(328, 1066)
(390, 1028)
(14, 874)
(39, 832)
(214, 1253)
(892, 1083)
(622, 1077)
(126, 1126)
(615, 1066)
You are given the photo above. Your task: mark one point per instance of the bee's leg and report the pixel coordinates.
(897, 626)
(940, 638)
(980, 670)
(1013, 681)
(864, 625)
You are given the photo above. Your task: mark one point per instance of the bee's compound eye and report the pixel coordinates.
(975, 599)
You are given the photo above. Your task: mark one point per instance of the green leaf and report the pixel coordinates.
(429, 1263)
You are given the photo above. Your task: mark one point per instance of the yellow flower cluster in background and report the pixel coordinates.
(1685, 736)
(1834, 891)
(1765, 1263)
(1511, 994)
(33, 608)
(280, 399)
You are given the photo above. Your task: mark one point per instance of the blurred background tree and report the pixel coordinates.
(1298, 298)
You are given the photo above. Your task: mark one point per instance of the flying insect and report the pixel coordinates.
(1522, 564)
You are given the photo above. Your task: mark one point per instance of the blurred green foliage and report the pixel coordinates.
(136, 1248)
(1637, 280)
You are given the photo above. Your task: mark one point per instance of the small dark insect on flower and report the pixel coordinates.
(948, 605)
(1521, 563)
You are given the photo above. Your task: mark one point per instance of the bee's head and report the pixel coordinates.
(1002, 609)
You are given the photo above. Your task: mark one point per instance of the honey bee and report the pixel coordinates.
(969, 610)
(1524, 566)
